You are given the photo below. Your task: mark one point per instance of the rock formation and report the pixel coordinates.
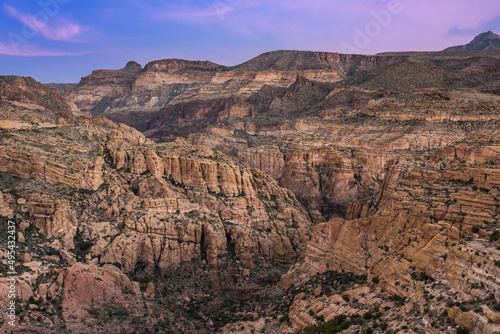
(99, 201)
(310, 192)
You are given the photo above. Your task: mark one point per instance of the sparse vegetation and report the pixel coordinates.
(495, 236)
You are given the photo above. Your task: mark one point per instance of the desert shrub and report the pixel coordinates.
(284, 318)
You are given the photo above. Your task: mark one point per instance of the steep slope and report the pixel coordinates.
(433, 234)
(331, 143)
(27, 91)
(115, 230)
(395, 159)
(404, 158)
(173, 97)
(418, 251)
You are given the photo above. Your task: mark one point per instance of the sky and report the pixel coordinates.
(64, 40)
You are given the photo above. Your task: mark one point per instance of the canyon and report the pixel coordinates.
(297, 192)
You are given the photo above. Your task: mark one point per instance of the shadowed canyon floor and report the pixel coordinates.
(309, 192)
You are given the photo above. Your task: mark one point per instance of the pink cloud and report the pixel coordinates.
(326, 24)
(60, 31)
(33, 51)
(193, 15)
(215, 10)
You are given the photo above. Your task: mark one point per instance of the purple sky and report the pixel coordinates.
(63, 40)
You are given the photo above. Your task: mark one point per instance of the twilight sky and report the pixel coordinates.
(63, 40)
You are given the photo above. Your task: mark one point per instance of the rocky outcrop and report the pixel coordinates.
(430, 223)
(25, 91)
(54, 219)
(5, 209)
(83, 287)
(223, 204)
(113, 211)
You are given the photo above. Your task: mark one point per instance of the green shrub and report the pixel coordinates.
(284, 318)
(311, 329)
(398, 300)
(336, 325)
(368, 315)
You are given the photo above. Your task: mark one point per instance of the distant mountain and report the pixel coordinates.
(61, 87)
(484, 41)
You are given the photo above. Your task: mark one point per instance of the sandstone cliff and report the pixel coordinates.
(314, 192)
(105, 216)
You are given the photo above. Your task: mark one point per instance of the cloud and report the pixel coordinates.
(194, 15)
(193, 12)
(33, 51)
(60, 30)
(191, 15)
(326, 24)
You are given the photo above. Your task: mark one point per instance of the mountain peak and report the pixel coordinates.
(485, 41)
(132, 67)
(133, 63)
(489, 34)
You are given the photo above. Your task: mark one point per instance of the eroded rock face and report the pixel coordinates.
(27, 92)
(333, 145)
(221, 203)
(158, 99)
(5, 209)
(397, 167)
(113, 212)
(54, 219)
(83, 287)
(410, 178)
(430, 223)
(175, 203)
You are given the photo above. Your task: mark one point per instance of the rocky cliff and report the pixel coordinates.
(173, 97)
(404, 158)
(27, 92)
(105, 216)
(312, 192)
